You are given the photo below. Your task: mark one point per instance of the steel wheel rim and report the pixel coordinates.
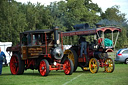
(42, 68)
(93, 65)
(110, 66)
(68, 67)
(14, 65)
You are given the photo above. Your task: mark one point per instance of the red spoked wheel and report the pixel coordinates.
(44, 67)
(69, 67)
(16, 65)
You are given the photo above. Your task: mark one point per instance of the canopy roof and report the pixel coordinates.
(92, 31)
(39, 31)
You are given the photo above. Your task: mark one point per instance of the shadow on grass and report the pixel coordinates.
(78, 71)
(52, 73)
(88, 72)
(30, 74)
(58, 73)
(83, 71)
(6, 74)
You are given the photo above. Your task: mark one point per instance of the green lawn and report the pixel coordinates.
(30, 77)
(118, 77)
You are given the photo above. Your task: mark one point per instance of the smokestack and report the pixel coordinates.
(81, 26)
(98, 25)
(56, 37)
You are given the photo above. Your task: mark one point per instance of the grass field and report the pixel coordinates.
(30, 77)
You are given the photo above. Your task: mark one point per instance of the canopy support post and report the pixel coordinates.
(112, 36)
(116, 39)
(103, 37)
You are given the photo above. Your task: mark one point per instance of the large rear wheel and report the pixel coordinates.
(94, 65)
(69, 67)
(44, 67)
(16, 65)
(109, 65)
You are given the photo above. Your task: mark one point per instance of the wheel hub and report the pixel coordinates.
(110, 65)
(16, 64)
(42, 68)
(94, 65)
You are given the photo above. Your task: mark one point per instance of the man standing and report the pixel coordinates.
(2, 58)
(83, 43)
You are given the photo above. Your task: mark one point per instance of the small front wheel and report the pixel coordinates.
(94, 65)
(109, 65)
(69, 67)
(44, 67)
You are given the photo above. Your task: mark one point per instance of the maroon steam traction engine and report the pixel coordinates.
(97, 47)
(39, 49)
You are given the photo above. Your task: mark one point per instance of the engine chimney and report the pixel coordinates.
(56, 37)
(98, 25)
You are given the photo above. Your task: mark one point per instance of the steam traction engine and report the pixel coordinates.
(39, 49)
(97, 47)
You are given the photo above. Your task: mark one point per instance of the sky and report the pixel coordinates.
(104, 4)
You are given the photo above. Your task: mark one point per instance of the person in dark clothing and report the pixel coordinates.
(2, 58)
(24, 39)
(83, 43)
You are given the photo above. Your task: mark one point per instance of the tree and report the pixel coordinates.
(16, 17)
(113, 14)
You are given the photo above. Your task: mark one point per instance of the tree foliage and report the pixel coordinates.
(113, 14)
(16, 17)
